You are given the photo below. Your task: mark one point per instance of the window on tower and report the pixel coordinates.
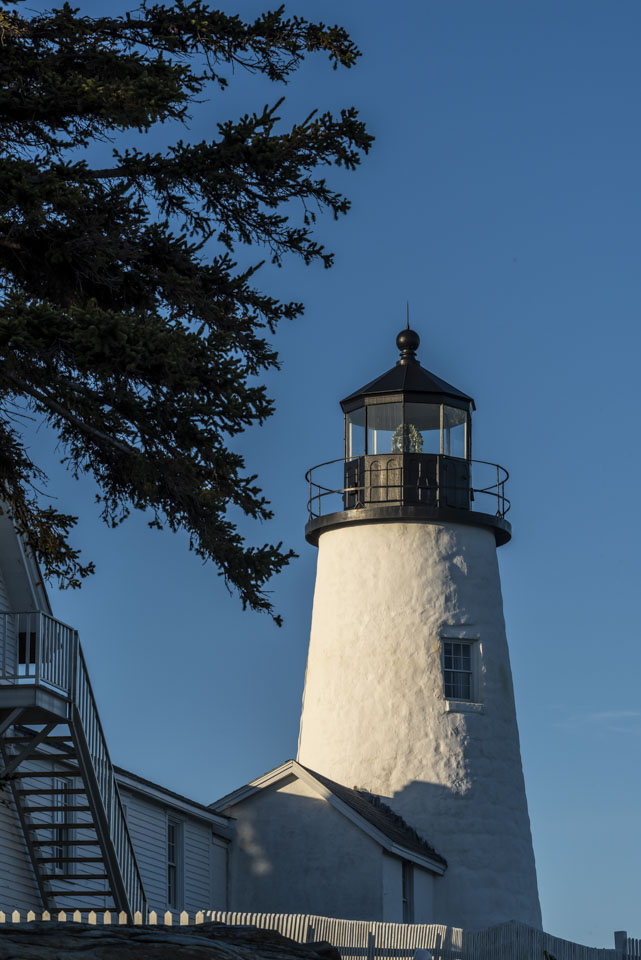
(355, 433)
(454, 432)
(385, 428)
(457, 670)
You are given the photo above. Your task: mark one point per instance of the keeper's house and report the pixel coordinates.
(75, 831)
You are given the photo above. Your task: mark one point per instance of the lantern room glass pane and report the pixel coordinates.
(355, 433)
(454, 428)
(384, 428)
(422, 431)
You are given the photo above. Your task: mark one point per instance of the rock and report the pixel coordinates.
(206, 941)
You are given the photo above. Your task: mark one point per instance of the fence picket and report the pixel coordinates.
(364, 940)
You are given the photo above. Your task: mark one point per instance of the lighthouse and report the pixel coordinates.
(408, 691)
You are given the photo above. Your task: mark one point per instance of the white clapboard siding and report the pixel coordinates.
(218, 888)
(13, 838)
(147, 823)
(18, 889)
(197, 856)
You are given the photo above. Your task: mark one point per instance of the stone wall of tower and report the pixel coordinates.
(375, 714)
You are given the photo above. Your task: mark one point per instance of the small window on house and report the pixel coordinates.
(408, 892)
(174, 863)
(457, 670)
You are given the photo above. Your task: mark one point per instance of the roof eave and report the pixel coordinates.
(357, 400)
(437, 864)
(396, 381)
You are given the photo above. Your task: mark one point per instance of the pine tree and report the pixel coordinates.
(125, 322)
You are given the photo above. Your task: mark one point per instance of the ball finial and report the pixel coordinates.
(408, 342)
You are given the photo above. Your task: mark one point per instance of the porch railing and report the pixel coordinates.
(37, 650)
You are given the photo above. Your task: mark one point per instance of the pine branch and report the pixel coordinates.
(124, 321)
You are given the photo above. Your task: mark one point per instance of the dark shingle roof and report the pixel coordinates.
(408, 378)
(169, 793)
(371, 808)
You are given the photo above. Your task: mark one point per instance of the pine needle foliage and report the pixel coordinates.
(125, 322)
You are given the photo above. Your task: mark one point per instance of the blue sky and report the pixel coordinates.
(502, 199)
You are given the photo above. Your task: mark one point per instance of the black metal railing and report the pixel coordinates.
(430, 480)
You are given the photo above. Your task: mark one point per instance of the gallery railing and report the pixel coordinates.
(429, 480)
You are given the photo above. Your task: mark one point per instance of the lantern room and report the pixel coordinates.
(408, 437)
(407, 456)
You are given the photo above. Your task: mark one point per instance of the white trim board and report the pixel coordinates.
(153, 792)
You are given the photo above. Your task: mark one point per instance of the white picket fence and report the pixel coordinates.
(628, 947)
(367, 940)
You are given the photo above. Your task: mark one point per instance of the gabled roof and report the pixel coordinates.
(154, 791)
(22, 575)
(407, 378)
(368, 811)
(380, 815)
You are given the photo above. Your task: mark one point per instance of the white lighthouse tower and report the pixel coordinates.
(408, 691)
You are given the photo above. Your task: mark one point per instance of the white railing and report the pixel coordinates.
(38, 650)
(96, 745)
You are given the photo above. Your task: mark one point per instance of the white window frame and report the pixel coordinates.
(175, 862)
(473, 672)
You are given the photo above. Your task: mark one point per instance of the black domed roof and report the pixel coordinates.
(408, 377)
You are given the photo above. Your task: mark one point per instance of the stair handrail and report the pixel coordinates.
(37, 649)
(84, 701)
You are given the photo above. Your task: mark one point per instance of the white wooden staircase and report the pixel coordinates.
(55, 763)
